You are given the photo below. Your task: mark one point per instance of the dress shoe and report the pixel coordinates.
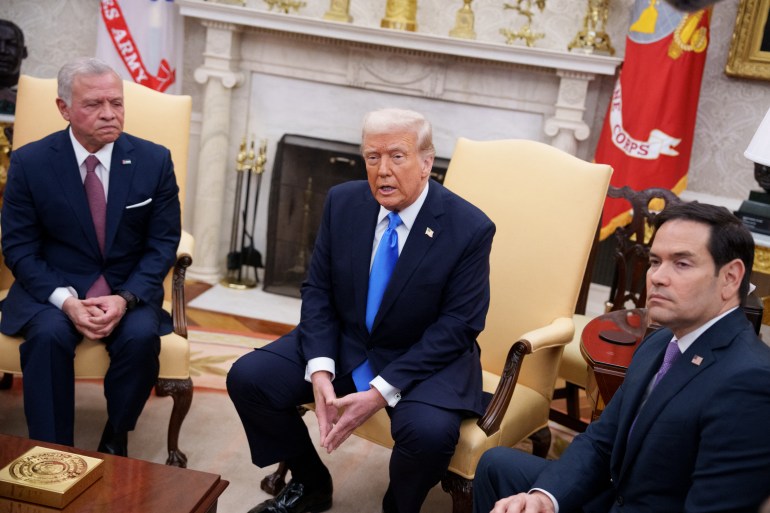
(296, 498)
(112, 442)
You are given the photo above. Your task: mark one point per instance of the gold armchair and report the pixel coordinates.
(164, 119)
(546, 205)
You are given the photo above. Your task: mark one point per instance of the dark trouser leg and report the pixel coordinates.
(426, 437)
(266, 389)
(503, 472)
(134, 347)
(47, 361)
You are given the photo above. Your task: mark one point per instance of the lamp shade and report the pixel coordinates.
(759, 147)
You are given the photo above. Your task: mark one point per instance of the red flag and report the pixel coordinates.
(648, 132)
(138, 38)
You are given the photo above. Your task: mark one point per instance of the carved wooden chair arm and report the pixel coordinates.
(559, 332)
(178, 304)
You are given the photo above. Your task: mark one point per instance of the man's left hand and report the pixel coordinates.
(112, 310)
(358, 407)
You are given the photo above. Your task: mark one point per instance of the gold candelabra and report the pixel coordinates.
(593, 37)
(525, 8)
(400, 15)
(464, 20)
(286, 5)
(338, 11)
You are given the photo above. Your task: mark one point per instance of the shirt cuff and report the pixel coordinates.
(60, 295)
(321, 363)
(391, 394)
(553, 499)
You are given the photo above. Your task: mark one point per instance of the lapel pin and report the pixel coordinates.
(126, 161)
(429, 232)
(697, 360)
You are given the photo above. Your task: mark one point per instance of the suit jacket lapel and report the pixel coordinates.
(67, 173)
(364, 220)
(122, 170)
(678, 377)
(416, 247)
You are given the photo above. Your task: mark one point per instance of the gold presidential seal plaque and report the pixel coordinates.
(48, 476)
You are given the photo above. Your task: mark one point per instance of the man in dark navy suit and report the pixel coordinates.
(410, 349)
(687, 430)
(88, 263)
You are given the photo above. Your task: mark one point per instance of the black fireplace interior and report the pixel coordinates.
(304, 169)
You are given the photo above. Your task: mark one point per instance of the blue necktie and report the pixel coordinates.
(384, 261)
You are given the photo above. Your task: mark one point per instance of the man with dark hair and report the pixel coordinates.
(687, 430)
(90, 227)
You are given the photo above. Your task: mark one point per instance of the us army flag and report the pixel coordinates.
(141, 40)
(648, 132)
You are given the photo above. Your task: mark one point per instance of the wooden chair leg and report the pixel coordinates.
(275, 482)
(181, 391)
(541, 442)
(461, 491)
(573, 400)
(6, 382)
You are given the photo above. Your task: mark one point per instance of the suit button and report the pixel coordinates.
(619, 500)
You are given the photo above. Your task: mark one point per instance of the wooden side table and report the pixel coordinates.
(128, 485)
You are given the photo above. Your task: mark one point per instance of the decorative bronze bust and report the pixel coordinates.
(12, 52)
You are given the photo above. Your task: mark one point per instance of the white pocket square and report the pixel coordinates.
(143, 203)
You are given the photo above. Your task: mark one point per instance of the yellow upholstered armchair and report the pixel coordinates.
(161, 118)
(546, 205)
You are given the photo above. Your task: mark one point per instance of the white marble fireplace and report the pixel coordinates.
(267, 74)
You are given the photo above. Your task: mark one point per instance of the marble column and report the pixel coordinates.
(566, 127)
(219, 73)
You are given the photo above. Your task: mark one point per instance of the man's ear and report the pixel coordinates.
(64, 110)
(427, 165)
(732, 275)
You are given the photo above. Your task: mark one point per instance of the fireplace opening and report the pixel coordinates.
(304, 169)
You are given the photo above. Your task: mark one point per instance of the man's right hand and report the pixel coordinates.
(82, 316)
(325, 411)
(535, 502)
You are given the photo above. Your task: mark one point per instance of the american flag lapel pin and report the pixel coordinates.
(697, 360)
(429, 232)
(126, 162)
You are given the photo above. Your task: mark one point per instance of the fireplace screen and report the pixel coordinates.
(304, 169)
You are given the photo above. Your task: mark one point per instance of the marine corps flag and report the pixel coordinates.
(648, 132)
(141, 40)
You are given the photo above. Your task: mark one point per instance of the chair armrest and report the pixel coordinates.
(178, 303)
(558, 333)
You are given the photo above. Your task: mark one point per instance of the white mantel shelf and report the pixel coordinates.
(413, 41)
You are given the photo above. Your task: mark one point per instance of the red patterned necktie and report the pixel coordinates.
(98, 206)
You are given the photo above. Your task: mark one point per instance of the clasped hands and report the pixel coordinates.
(338, 417)
(95, 317)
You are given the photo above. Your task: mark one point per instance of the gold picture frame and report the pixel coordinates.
(749, 55)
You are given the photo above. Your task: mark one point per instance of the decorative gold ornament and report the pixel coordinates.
(338, 11)
(593, 36)
(688, 37)
(286, 5)
(400, 15)
(524, 7)
(464, 22)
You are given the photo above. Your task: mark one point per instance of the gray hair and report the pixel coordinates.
(88, 66)
(390, 120)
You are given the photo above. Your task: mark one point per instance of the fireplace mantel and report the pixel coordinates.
(508, 90)
(412, 41)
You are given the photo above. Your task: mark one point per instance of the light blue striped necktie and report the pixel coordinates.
(384, 262)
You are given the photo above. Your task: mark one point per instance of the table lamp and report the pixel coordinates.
(755, 212)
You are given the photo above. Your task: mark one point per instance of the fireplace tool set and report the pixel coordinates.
(243, 259)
